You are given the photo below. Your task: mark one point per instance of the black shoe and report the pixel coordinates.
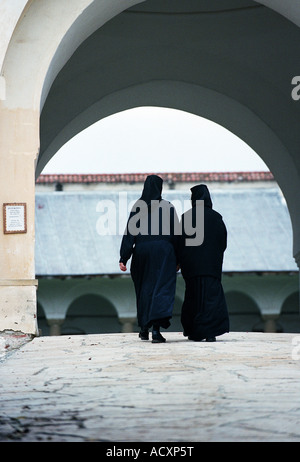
(211, 339)
(157, 337)
(144, 334)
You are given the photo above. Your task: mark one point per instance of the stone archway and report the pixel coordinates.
(289, 315)
(167, 74)
(244, 313)
(41, 38)
(91, 314)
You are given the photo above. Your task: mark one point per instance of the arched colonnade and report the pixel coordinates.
(66, 64)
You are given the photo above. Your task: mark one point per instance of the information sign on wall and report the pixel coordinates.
(14, 218)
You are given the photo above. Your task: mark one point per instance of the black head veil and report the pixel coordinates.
(152, 189)
(201, 192)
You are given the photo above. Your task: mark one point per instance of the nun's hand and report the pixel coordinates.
(122, 267)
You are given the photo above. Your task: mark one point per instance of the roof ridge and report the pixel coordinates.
(140, 177)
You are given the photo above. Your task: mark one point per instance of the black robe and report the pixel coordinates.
(204, 311)
(153, 266)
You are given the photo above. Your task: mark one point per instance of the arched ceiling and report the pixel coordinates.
(190, 6)
(235, 48)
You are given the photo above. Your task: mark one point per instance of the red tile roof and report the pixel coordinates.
(140, 177)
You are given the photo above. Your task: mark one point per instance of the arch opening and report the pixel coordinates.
(194, 98)
(91, 314)
(239, 320)
(152, 69)
(289, 316)
(147, 139)
(218, 108)
(244, 313)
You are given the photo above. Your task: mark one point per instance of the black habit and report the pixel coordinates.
(204, 311)
(153, 265)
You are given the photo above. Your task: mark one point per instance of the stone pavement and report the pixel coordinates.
(116, 388)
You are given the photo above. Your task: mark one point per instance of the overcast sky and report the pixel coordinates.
(146, 140)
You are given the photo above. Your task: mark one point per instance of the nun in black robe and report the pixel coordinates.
(204, 312)
(150, 239)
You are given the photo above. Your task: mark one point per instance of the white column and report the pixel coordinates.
(19, 142)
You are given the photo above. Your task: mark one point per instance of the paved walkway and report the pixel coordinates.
(244, 387)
